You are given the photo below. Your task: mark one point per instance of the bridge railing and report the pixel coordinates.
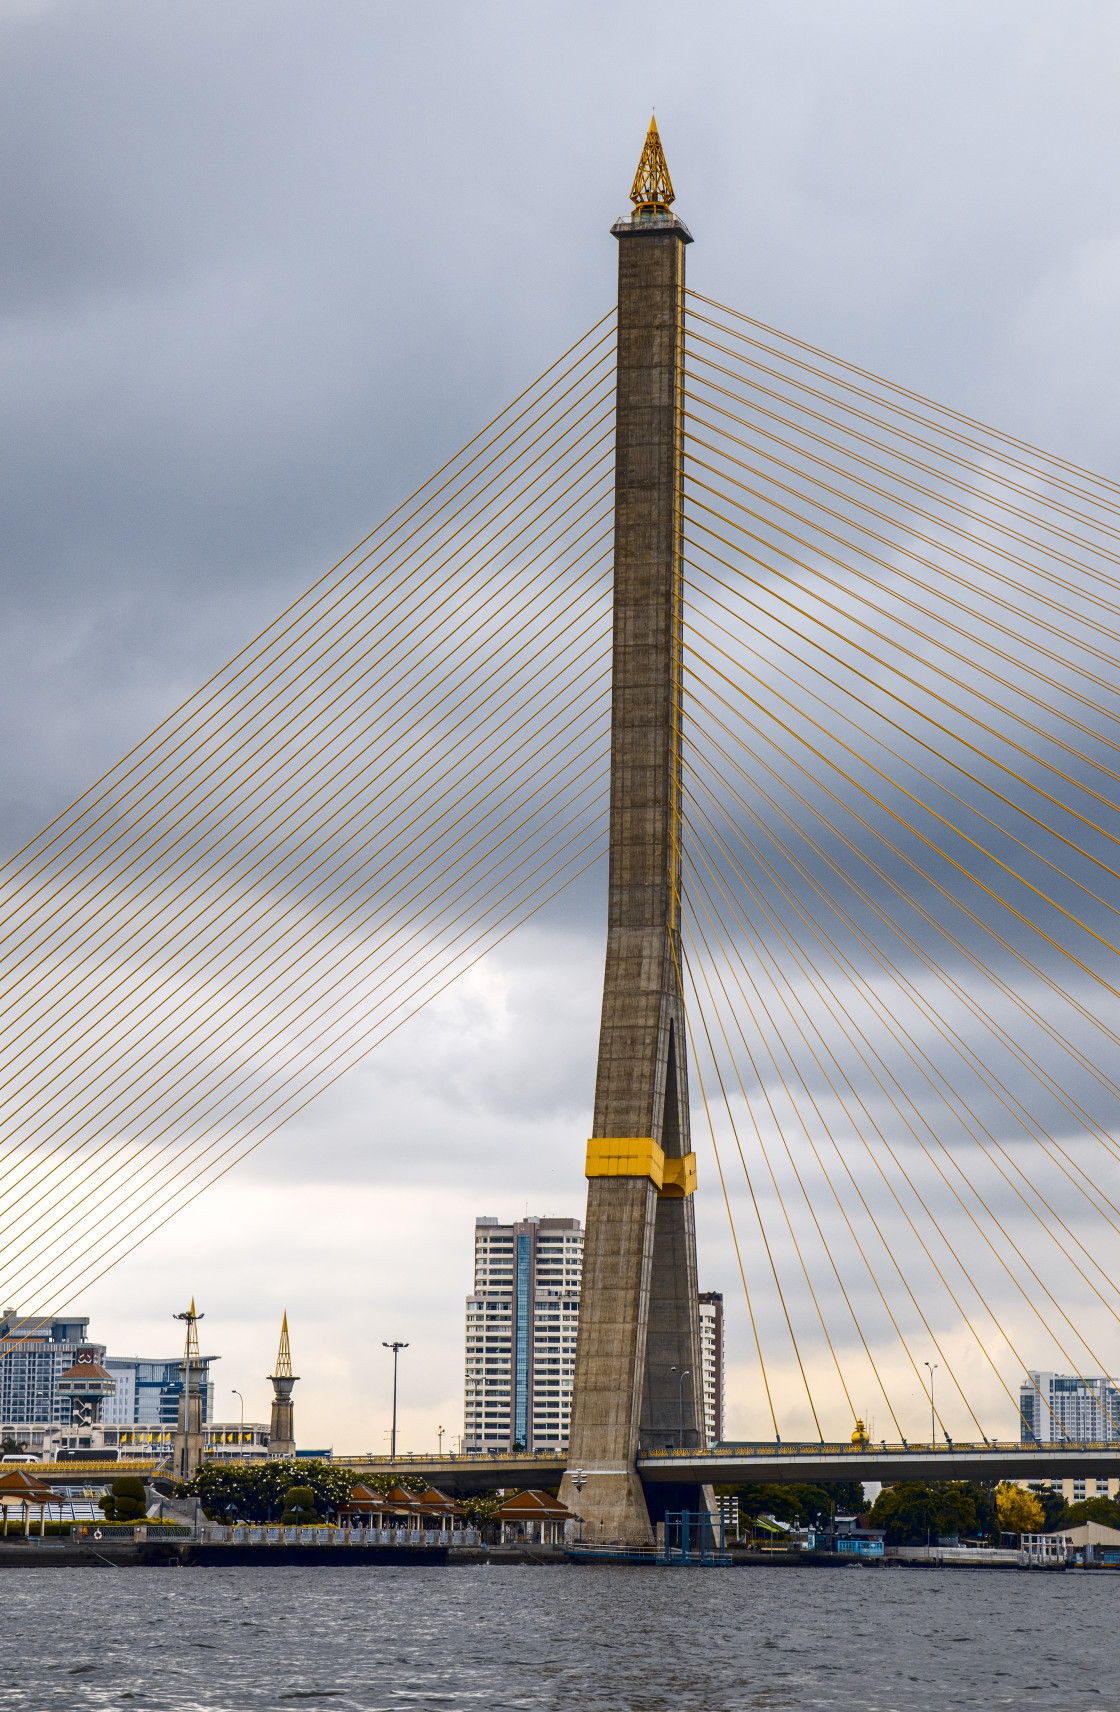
(817, 1448)
(418, 1459)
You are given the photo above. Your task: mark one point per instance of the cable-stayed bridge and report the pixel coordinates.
(820, 675)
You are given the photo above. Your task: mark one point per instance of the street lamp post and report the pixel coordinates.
(681, 1377)
(237, 1393)
(579, 1481)
(396, 1348)
(439, 1434)
(932, 1412)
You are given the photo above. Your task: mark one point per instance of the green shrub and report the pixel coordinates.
(15, 1527)
(299, 1506)
(126, 1500)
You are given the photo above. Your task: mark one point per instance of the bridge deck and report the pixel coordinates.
(747, 1464)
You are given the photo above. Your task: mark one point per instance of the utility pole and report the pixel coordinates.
(680, 1403)
(396, 1349)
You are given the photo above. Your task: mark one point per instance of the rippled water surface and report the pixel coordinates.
(476, 1638)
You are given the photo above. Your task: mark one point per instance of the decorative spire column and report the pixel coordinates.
(282, 1427)
(190, 1441)
(638, 1357)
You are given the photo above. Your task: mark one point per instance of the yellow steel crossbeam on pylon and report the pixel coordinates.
(652, 190)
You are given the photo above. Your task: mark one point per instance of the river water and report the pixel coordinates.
(639, 1639)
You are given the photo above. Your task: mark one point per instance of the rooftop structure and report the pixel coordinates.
(85, 1386)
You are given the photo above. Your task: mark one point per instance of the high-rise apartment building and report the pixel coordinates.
(1058, 1406)
(148, 1390)
(522, 1320)
(37, 1349)
(711, 1358)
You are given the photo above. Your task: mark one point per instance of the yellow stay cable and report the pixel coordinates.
(974, 879)
(192, 1044)
(163, 1066)
(911, 1051)
(860, 701)
(827, 1128)
(222, 832)
(1091, 1018)
(474, 903)
(807, 469)
(89, 1276)
(288, 832)
(857, 1132)
(840, 1207)
(930, 404)
(712, 1059)
(709, 962)
(901, 434)
(371, 666)
(271, 628)
(723, 1186)
(1014, 1107)
(908, 653)
(838, 1010)
(432, 783)
(760, 415)
(1045, 574)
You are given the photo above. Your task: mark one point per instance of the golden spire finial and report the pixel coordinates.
(652, 190)
(284, 1358)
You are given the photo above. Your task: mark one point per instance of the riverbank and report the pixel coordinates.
(183, 1553)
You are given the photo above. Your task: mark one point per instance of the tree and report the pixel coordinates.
(224, 1491)
(126, 1500)
(1104, 1510)
(1054, 1506)
(956, 1510)
(800, 1501)
(908, 1513)
(12, 1447)
(481, 1507)
(258, 1491)
(917, 1511)
(1019, 1511)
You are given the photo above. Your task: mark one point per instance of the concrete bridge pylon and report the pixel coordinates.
(638, 1377)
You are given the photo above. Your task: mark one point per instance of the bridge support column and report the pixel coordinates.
(638, 1373)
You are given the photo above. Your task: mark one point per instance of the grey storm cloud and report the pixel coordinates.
(266, 265)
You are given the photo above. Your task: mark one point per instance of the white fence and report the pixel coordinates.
(244, 1533)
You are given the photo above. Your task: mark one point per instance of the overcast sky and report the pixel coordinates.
(265, 266)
